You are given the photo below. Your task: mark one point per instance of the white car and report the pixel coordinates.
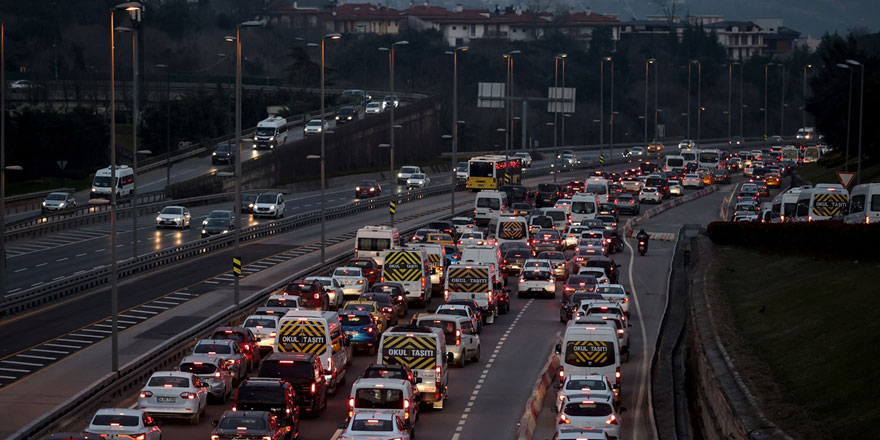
(635, 185)
(649, 194)
(269, 205)
(471, 239)
(575, 384)
(692, 181)
(615, 293)
(315, 126)
(227, 351)
(374, 107)
(564, 204)
(597, 272)
(687, 144)
(58, 200)
(591, 411)
(389, 101)
(333, 288)
(406, 172)
(460, 310)
(174, 394)
(283, 302)
(525, 158)
(675, 188)
(265, 328)
(538, 281)
(351, 279)
(565, 432)
(173, 216)
(418, 180)
(595, 245)
(463, 224)
(573, 234)
(211, 371)
(637, 151)
(374, 426)
(123, 423)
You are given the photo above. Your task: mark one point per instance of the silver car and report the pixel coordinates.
(315, 126)
(174, 394)
(333, 288)
(58, 200)
(227, 351)
(212, 372)
(173, 216)
(418, 180)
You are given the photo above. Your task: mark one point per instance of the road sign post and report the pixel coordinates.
(392, 208)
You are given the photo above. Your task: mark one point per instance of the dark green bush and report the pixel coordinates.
(826, 238)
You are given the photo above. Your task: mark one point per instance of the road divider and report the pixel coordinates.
(653, 212)
(528, 421)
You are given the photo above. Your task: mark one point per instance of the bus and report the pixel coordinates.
(709, 159)
(487, 172)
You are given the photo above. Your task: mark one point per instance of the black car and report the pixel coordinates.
(514, 260)
(444, 226)
(367, 188)
(304, 372)
(235, 425)
(520, 208)
(515, 193)
(567, 307)
(224, 153)
(627, 203)
(215, 226)
(247, 203)
(347, 114)
(605, 263)
(547, 194)
(398, 295)
(269, 394)
(608, 209)
(736, 140)
(386, 305)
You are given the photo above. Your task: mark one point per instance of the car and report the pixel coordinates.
(269, 205)
(261, 425)
(174, 394)
(616, 294)
(398, 295)
(391, 101)
(386, 304)
(775, 139)
(541, 281)
(525, 157)
(650, 194)
(119, 423)
(736, 140)
(315, 126)
(369, 268)
(520, 209)
(746, 208)
(444, 226)
(224, 153)
(173, 216)
(346, 114)
(592, 411)
(406, 172)
(367, 188)
(361, 330)
(311, 294)
(539, 222)
(516, 193)
(333, 289)
(772, 179)
(463, 224)
(375, 425)
(547, 194)
(56, 201)
(368, 306)
(247, 203)
(246, 340)
(631, 184)
(607, 209)
(212, 371)
(707, 178)
(581, 383)
(396, 371)
(418, 180)
(568, 307)
(471, 239)
(557, 261)
(265, 328)
(228, 352)
(305, 373)
(215, 226)
(22, 84)
(374, 108)
(636, 152)
(626, 203)
(439, 237)
(748, 195)
(721, 175)
(462, 340)
(461, 173)
(272, 394)
(687, 144)
(591, 244)
(420, 235)
(656, 147)
(579, 284)
(597, 272)
(460, 310)
(564, 432)
(472, 306)
(547, 239)
(692, 181)
(514, 259)
(222, 214)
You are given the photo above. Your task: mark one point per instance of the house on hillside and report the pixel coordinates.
(298, 14)
(363, 18)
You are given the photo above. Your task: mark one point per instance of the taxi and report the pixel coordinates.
(439, 237)
(772, 179)
(708, 178)
(368, 306)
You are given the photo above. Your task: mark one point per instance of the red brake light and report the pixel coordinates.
(217, 375)
(563, 420)
(351, 402)
(611, 420)
(314, 388)
(145, 394)
(458, 337)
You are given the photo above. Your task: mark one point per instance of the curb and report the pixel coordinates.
(527, 423)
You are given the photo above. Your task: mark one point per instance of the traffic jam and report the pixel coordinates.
(413, 307)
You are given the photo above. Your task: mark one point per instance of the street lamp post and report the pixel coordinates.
(236, 256)
(335, 36)
(848, 116)
(611, 116)
(601, 101)
(556, 105)
(454, 54)
(556, 162)
(2, 159)
(782, 101)
(766, 67)
(648, 62)
(168, 122)
(861, 113)
(507, 105)
(136, 17)
(390, 114)
(804, 109)
(562, 127)
(699, 101)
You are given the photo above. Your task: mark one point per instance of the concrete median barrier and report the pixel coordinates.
(528, 421)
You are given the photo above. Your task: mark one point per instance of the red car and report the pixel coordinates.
(246, 340)
(368, 266)
(311, 294)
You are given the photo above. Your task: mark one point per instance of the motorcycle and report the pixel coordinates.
(643, 247)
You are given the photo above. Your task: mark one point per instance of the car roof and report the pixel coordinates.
(202, 358)
(384, 382)
(120, 411)
(301, 357)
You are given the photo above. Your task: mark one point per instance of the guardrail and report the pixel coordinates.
(30, 201)
(132, 376)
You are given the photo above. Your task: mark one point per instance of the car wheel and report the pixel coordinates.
(461, 361)
(476, 357)
(194, 420)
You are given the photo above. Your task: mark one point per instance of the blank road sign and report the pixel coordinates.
(490, 95)
(561, 100)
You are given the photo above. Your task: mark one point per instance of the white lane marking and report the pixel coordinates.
(31, 356)
(14, 370)
(82, 254)
(36, 284)
(14, 290)
(20, 270)
(43, 350)
(635, 296)
(27, 364)
(41, 264)
(97, 330)
(8, 377)
(75, 341)
(86, 335)
(50, 344)
(155, 307)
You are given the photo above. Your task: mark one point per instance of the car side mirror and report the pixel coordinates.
(214, 423)
(558, 348)
(450, 358)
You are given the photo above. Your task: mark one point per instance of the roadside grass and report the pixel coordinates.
(817, 336)
(825, 170)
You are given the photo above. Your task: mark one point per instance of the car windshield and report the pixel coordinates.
(517, 254)
(372, 425)
(223, 148)
(197, 368)
(583, 208)
(217, 222)
(212, 348)
(596, 189)
(589, 384)
(547, 236)
(314, 123)
(448, 328)
(417, 176)
(408, 170)
(56, 196)
(536, 275)
(237, 422)
(265, 131)
(472, 235)
(557, 216)
(555, 256)
(353, 320)
(362, 263)
(368, 183)
(547, 187)
(169, 381)
(486, 202)
(230, 335)
(588, 409)
(259, 323)
(346, 272)
(581, 280)
(171, 210)
(287, 369)
(267, 198)
(379, 398)
(376, 373)
(116, 419)
(610, 290)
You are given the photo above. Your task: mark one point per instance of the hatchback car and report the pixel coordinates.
(627, 204)
(378, 426)
(332, 288)
(579, 284)
(398, 295)
(211, 371)
(692, 181)
(650, 194)
(361, 330)
(386, 305)
(174, 394)
(347, 114)
(228, 352)
(274, 395)
(265, 328)
(56, 201)
(224, 153)
(311, 294)
(537, 281)
(120, 423)
(594, 411)
(418, 180)
(367, 188)
(315, 126)
(234, 425)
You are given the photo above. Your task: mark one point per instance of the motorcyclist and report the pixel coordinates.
(643, 236)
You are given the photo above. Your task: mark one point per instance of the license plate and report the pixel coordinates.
(351, 333)
(167, 399)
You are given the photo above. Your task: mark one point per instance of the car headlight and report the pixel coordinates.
(44, 203)
(272, 208)
(225, 231)
(214, 153)
(337, 117)
(158, 219)
(94, 189)
(255, 138)
(349, 118)
(60, 205)
(399, 175)
(271, 138)
(357, 188)
(250, 205)
(204, 222)
(204, 231)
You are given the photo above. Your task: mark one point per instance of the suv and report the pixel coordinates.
(398, 295)
(369, 268)
(225, 152)
(515, 193)
(311, 294)
(247, 342)
(274, 395)
(547, 194)
(304, 372)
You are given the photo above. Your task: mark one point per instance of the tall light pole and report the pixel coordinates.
(335, 36)
(729, 96)
(766, 68)
(699, 101)
(555, 151)
(2, 159)
(454, 54)
(135, 18)
(741, 104)
(648, 62)
(861, 113)
(804, 109)
(611, 115)
(563, 57)
(555, 111)
(690, 65)
(656, 94)
(236, 256)
(507, 105)
(782, 101)
(168, 122)
(390, 113)
(848, 116)
(601, 101)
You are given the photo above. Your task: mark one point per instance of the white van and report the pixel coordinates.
(410, 268)
(313, 331)
(423, 350)
(864, 204)
(785, 205)
(476, 282)
(584, 206)
(124, 183)
(269, 205)
(597, 186)
(673, 164)
(437, 262)
(509, 229)
(375, 395)
(590, 346)
(270, 133)
(824, 201)
(488, 205)
(372, 241)
(461, 337)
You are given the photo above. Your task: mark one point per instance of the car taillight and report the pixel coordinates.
(145, 394)
(620, 331)
(617, 376)
(273, 334)
(190, 396)
(217, 375)
(522, 280)
(457, 338)
(230, 361)
(313, 388)
(359, 282)
(247, 347)
(563, 420)
(215, 437)
(611, 420)
(369, 329)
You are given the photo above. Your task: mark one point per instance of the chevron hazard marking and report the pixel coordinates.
(302, 337)
(403, 266)
(416, 352)
(589, 353)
